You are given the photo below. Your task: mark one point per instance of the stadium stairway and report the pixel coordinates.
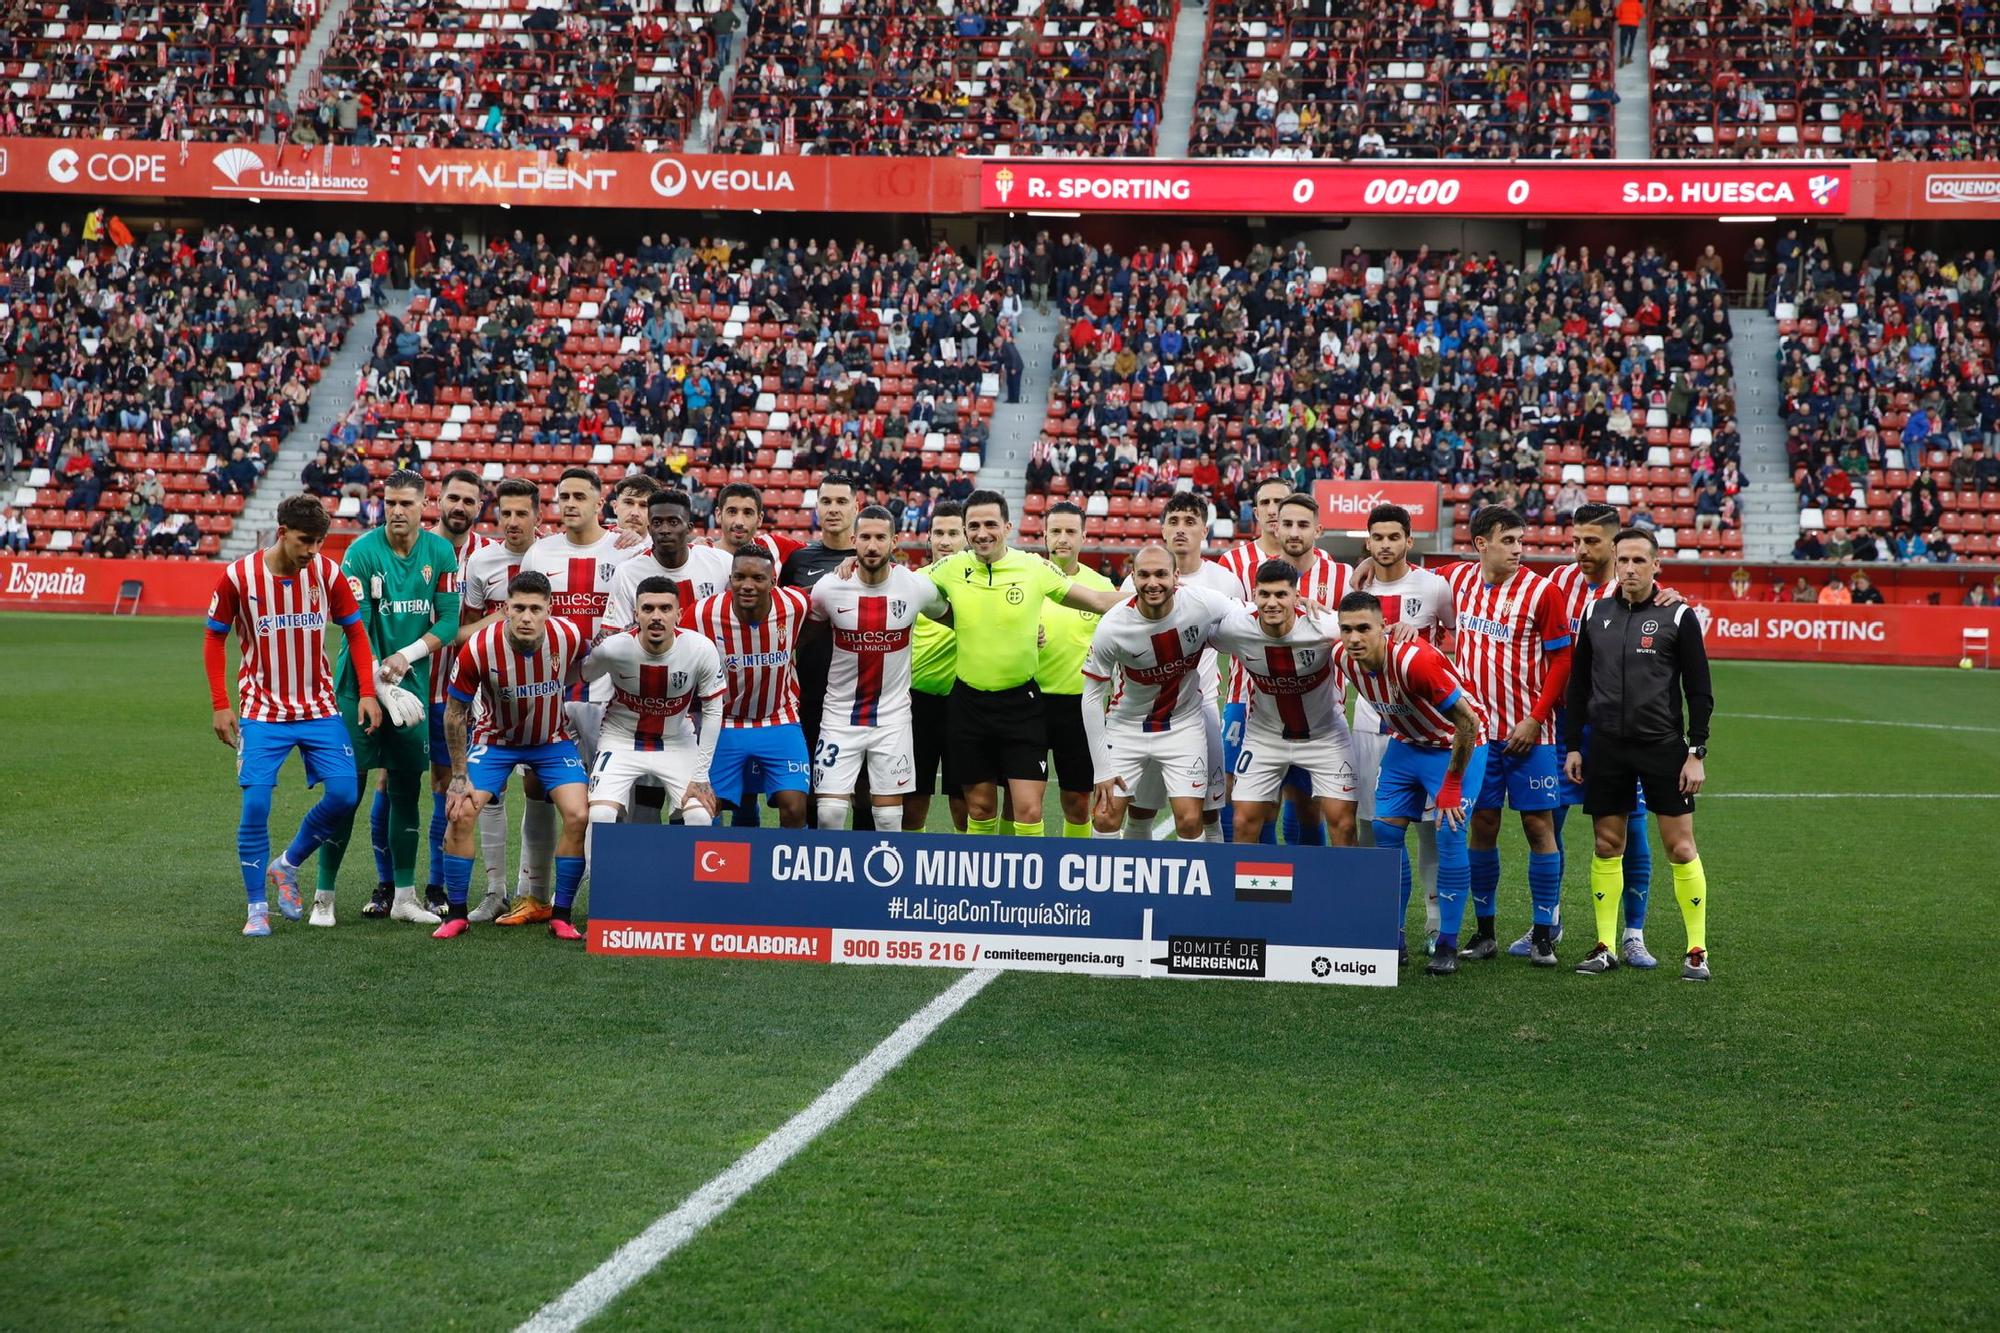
(339, 382)
(1183, 77)
(1016, 426)
(1632, 118)
(1770, 504)
(305, 74)
(711, 119)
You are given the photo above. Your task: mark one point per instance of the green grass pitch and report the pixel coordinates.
(359, 1128)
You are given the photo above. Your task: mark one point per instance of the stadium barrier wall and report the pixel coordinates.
(149, 169)
(167, 587)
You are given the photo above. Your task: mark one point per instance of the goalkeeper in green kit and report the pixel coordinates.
(406, 581)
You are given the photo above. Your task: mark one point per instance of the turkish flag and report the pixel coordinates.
(722, 862)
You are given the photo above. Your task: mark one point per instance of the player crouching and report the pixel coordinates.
(657, 672)
(521, 665)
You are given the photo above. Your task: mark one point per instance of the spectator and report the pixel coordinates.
(1835, 592)
(1866, 549)
(1808, 546)
(15, 535)
(1865, 593)
(1976, 595)
(1756, 274)
(1631, 20)
(1802, 592)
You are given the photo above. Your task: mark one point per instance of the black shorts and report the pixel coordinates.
(929, 727)
(1062, 721)
(996, 735)
(1613, 770)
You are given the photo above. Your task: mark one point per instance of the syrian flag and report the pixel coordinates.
(1263, 882)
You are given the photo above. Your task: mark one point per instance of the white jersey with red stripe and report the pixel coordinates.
(580, 577)
(1323, 582)
(483, 579)
(757, 658)
(1215, 579)
(1423, 598)
(469, 545)
(1149, 661)
(1295, 695)
(1413, 692)
(868, 678)
(703, 574)
(280, 626)
(522, 693)
(1505, 632)
(653, 694)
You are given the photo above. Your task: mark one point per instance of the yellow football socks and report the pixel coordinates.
(982, 826)
(1607, 888)
(1033, 830)
(1691, 888)
(1075, 830)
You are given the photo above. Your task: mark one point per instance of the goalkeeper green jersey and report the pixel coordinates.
(1066, 638)
(402, 598)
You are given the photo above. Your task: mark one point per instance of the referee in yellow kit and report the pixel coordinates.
(996, 595)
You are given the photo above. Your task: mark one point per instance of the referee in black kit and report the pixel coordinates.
(1635, 660)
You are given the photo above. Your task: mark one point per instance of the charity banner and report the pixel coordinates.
(1344, 505)
(1884, 635)
(1419, 188)
(1110, 908)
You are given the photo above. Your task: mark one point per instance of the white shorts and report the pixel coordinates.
(1264, 761)
(1149, 794)
(889, 749)
(616, 772)
(585, 720)
(1160, 766)
(1369, 747)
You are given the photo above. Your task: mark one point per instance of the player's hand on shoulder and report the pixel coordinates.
(1403, 631)
(1665, 596)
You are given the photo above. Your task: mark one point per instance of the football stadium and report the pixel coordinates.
(934, 664)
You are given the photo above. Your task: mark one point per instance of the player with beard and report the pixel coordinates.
(739, 520)
(804, 568)
(1243, 561)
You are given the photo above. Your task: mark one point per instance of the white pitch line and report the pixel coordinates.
(1864, 722)
(1851, 795)
(646, 1251)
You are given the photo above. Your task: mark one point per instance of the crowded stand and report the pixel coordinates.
(1335, 78)
(696, 361)
(916, 79)
(1586, 377)
(483, 74)
(1909, 79)
(148, 381)
(1891, 404)
(170, 69)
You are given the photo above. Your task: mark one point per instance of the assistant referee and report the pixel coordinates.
(996, 595)
(1635, 662)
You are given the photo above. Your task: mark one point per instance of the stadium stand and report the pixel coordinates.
(1906, 79)
(1411, 78)
(492, 74)
(1890, 403)
(694, 361)
(1589, 378)
(170, 69)
(145, 385)
(913, 78)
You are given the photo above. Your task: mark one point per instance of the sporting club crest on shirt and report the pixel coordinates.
(312, 599)
(427, 573)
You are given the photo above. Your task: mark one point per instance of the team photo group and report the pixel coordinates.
(647, 671)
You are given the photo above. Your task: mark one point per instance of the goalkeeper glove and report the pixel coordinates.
(404, 708)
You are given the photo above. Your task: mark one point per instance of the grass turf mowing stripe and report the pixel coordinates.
(650, 1248)
(1861, 722)
(1851, 795)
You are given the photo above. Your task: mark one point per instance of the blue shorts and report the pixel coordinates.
(440, 752)
(1528, 781)
(554, 765)
(777, 753)
(323, 745)
(1411, 776)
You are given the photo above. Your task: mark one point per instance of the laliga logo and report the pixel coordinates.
(669, 177)
(1822, 189)
(62, 165)
(883, 865)
(1003, 183)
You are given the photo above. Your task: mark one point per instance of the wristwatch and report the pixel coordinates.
(1698, 751)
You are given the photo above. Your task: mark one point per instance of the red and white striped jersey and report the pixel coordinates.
(483, 579)
(868, 678)
(1422, 598)
(1149, 661)
(1294, 693)
(280, 626)
(1414, 692)
(1241, 561)
(763, 679)
(704, 573)
(580, 577)
(523, 692)
(1323, 581)
(472, 543)
(776, 543)
(1505, 633)
(652, 695)
(1579, 593)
